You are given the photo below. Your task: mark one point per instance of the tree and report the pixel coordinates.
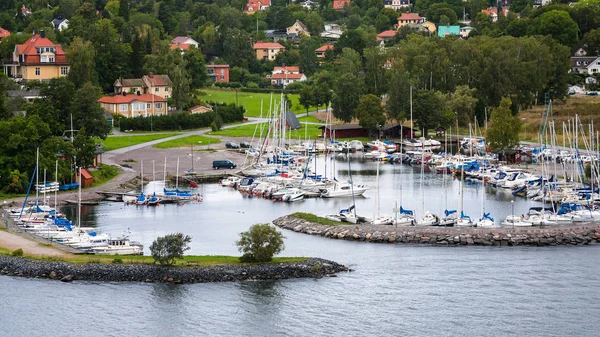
(260, 243)
(308, 59)
(592, 40)
(306, 97)
(124, 9)
(87, 113)
(347, 91)
(4, 113)
(370, 113)
(375, 72)
(314, 23)
(503, 132)
(195, 66)
(166, 249)
(398, 103)
(429, 111)
(557, 24)
(81, 56)
(462, 102)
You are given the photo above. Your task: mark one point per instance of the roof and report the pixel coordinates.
(29, 47)
(212, 65)
(129, 82)
(448, 30)
(182, 46)
(292, 121)
(23, 93)
(4, 33)
(201, 106)
(287, 76)
(86, 174)
(181, 39)
(120, 99)
(287, 69)
(325, 47)
(386, 34)
(589, 59)
(56, 22)
(342, 127)
(410, 16)
(157, 80)
(263, 45)
(494, 10)
(301, 25)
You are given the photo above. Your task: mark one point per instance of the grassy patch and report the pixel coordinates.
(117, 142)
(186, 142)
(45, 244)
(317, 219)
(310, 119)
(251, 100)
(312, 131)
(362, 139)
(4, 196)
(104, 174)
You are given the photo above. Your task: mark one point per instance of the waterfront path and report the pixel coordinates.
(12, 242)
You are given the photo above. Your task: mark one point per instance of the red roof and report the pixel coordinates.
(387, 34)
(85, 174)
(266, 45)
(182, 46)
(180, 39)
(325, 47)
(157, 80)
(410, 16)
(212, 65)
(4, 33)
(287, 76)
(30, 52)
(120, 99)
(494, 10)
(287, 69)
(340, 4)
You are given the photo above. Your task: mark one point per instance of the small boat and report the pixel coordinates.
(141, 200)
(450, 218)
(119, 246)
(515, 221)
(464, 221)
(294, 194)
(193, 184)
(429, 219)
(154, 200)
(485, 222)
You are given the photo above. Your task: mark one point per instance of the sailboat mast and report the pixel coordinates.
(177, 175)
(376, 199)
(37, 176)
(79, 202)
(142, 174)
(165, 173)
(411, 114)
(56, 189)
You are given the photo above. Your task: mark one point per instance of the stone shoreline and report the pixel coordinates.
(449, 236)
(67, 272)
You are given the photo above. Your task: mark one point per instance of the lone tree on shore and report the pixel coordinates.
(165, 249)
(260, 243)
(503, 133)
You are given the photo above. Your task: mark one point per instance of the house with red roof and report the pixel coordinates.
(183, 43)
(386, 35)
(267, 50)
(4, 33)
(159, 85)
(254, 6)
(282, 76)
(409, 18)
(218, 72)
(492, 12)
(323, 49)
(339, 5)
(134, 105)
(37, 59)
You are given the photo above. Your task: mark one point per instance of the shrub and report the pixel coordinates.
(165, 249)
(18, 252)
(260, 243)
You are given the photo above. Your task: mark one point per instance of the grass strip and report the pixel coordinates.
(118, 142)
(317, 219)
(187, 142)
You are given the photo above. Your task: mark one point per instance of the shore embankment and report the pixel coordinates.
(449, 236)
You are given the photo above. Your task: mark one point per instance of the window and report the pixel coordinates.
(51, 59)
(158, 105)
(156, 89)
(64, 71)
(139, 106)
(44, 59)
(222, 77)
(122, 107)
(166, 89)
(148, 105)
(37, 71)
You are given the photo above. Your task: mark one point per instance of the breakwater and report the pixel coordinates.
(449, 236)
(67, 272)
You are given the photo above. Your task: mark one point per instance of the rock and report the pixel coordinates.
(148, 280)
(391, 239)
(297, 228)
(68, 278)
(52, 275)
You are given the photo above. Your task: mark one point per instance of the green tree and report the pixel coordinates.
(429, 111)
(67, 8)
(4, 114)
(462, 102)
(260, 243)
(375, 72)
(557, 24)
(308, 59)
(503, 132)
(398, 103)
(370, 113)
(124, 9)
(81, 55)
(347, 90)
(181, 86)
(166, 249)
(314, 23)
(87, 113)
(382, 22)
(306, 98)
(111, 56)
(237, 49)
(195, 66)
(85, 149)
(592, 40)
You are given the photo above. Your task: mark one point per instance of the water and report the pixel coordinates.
(394, 290)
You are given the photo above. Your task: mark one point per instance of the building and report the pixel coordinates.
(492, 12)
(134, 105)
(159, 85)
(200, 109)
(4, 33)
(37, 59)
(340, 5)
(298, 28)
(276, 35)
(465, 31)
(183, 43)
(386, 35)
(408, 18)
(444, 31)
(60, 23)
(343, 131)
(28, 95)
(218, 72)
(332, 32)
(267, 50)
(281, 79)
(291, 121)
(323, 49)
(310, 4)
(430, 26)
(286, 70)
(589, 65)
(87, 179)
(539, 3)
(256, 5)
(396, 4)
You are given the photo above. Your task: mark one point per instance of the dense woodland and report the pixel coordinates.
(523, 57)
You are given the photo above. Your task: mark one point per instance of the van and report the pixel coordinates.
(217, 164)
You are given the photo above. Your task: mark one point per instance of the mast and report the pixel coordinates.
(165, 173)
(376, 199)
(79, 203)
(56, 189)
(37, 176)
(177, 175)
(411, 114)
(142, 174)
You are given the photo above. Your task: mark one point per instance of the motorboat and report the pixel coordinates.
(429, 219)
(153, 200)
(515, 221)
(294, 194)
(119, 246)
(343, 189)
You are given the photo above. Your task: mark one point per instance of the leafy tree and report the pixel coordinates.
(382, 22)
(85, 149)
(308, 59)
(112, 56)
(375, 72)
(462, 102)
(181, 86)
(503, 132)
(398, 103)
(81, 56)
(124, 9)
(67, 8)
(195, 66)
(592, 40)
(260, 243)
(306, 98)
(370, 113)
(429, 111)
(4, 113)
(557, 24)
(236, 48)
(314, 23)
(87, 113)
(347, 89)
(166, 249)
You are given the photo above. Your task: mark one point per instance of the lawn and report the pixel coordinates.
(251, 101)
(310, 119)
(104, 174)
(117, 142)
(187, 141)
(317, 219)
(311, 131)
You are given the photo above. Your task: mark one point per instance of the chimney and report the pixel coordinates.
(124, 93)
(42, 33)
(138, 93)
(151, 75)
(34, 32)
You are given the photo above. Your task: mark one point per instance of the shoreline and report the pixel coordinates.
(449, 236)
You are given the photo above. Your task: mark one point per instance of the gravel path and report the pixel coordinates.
(13, 242)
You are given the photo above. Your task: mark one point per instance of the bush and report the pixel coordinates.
(18, 252)
(260, 243)
(166, 249)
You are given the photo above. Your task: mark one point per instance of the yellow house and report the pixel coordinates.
(134, 105)
(267, 50)
(298, 28)
(159, 85)
(37, 59)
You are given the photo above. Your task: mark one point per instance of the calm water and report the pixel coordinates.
(394, 290)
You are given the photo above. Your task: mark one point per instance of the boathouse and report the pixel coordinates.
(87, 179)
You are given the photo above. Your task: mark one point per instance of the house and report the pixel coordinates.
(492, 12)
(25, 11)
(218, 72)
(332, 32)
(283, 79)
(430, 26)
(185, 40)
(134, 105)
(298, 28)
(28, 95)
(465, 31)
(589, 65)
(4, 33)
(343, 131)
(408, 18)
(267, 50)
(276, 35)
(286, 70)
(200, 109)
(323, 49)
(159, 85)
(256, 5)
(340, 5)
(448, 30)
(386, 35)
(539, 3)
(396, 4)
(310, 4)
(60, 23)
(37, 59)
(87, 179)
(182, 47)
(581, 51)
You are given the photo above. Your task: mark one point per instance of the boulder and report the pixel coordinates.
(68, 278)
(52, 275)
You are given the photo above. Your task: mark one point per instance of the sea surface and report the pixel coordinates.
(397, 290)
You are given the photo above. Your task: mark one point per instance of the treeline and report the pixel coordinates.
(221, 114)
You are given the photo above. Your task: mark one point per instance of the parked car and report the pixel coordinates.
(232, 145)
(217, 164)
(592, 93)
(245, 145)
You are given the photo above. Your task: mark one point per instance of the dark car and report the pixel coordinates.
(218, 164)
(245, 145)
(232, 145)
(592, 93)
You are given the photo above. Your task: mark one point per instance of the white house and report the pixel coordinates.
(60, 23)
(585, 65)
(185, 40)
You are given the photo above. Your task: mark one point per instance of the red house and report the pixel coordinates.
(341, 4)
(218, 72)
(87, 179)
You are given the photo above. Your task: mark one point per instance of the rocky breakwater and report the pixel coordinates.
(67, 272)
(449, 236)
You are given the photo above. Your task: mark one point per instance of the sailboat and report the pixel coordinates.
(154, 200)
(486, 221)
(429, 219)
(141, 200)
(191, 171)
(377, 218)
(464, 220)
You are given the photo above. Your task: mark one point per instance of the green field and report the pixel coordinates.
(187, 141)
(312, 131)
(310, 119)
(117, 142)
(251, 100)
